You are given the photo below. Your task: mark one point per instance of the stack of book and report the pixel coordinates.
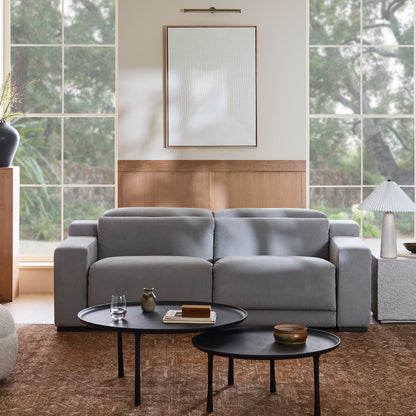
(190, 314)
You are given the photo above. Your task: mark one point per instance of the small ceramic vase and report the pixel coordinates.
(148, 300)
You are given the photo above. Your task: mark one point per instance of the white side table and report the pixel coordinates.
(394, 289)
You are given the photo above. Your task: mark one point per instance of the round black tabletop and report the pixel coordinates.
(151, 322)
(258, 343)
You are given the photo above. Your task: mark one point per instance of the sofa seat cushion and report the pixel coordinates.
(275, 282)
(174, 278)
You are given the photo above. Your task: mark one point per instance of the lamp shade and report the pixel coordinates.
(388, 197)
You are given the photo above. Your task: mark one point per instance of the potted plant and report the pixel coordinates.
(9, 136)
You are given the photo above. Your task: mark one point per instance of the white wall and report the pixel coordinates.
(281, 74)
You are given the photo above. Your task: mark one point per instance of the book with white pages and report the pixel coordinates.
(174, 316)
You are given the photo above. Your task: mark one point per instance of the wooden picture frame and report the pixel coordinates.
(211, 86)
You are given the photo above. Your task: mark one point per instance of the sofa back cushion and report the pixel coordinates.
(271, 236)
(158, 212)
(270, 212)
(150, 236)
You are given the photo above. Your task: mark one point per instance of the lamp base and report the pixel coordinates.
(388, 237)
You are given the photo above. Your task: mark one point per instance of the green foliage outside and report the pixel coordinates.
(336, 145)
(67, 165)
(346, 80)
(86, 203)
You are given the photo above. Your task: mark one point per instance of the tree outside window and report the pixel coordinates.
(361, 106)
(67, 149)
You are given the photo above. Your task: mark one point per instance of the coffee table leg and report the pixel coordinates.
(137, 370)
(317, 411)
(120, 355)
(231, 371)
(209, 396)
(272, 377)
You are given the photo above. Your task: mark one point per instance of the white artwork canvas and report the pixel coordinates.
(211, 86)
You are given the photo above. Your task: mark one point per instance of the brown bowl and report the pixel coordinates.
(410, 246)
(290, 334)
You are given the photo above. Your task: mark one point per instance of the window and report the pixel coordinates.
(361, 107)
(67, 147)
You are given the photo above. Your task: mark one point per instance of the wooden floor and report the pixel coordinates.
(32, 309)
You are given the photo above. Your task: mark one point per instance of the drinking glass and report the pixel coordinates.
(118, 308)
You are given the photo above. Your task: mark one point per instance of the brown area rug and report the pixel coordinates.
(75, 373)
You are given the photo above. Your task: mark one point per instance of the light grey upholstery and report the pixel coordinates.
(271, 236)
(317, 319)
(83, 228)
(343, 227)
(297, 289)
(173, 277)
(72, 260)
(281, 265)
(269, 212)
(275, 282)
(352, 259)
(158, 212)
(163, 236)
(278, 289)
(124, 249)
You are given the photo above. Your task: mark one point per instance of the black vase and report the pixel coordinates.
(9, 140)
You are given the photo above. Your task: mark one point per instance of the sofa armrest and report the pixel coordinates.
(72, 260)
(343, 227)
(352, 259)
(80, 228)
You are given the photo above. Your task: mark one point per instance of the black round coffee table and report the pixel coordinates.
(257, 343)
(139, 322)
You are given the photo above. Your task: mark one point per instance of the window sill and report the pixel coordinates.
(36, 265)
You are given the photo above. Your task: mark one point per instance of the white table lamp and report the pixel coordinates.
(388, 198)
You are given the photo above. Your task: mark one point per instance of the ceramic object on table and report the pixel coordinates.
(410, 247)
(148, 300)
(290, 334)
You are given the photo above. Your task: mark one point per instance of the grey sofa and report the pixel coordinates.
(281, 265)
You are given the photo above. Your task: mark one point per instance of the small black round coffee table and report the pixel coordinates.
(257, 343)
(140, 322)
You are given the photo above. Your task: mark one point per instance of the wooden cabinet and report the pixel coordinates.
(9, 233)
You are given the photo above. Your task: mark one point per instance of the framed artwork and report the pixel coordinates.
(210, 86)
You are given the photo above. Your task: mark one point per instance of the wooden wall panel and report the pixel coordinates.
(256, 189)
(212, 184)
(153, 189)
(9, 233)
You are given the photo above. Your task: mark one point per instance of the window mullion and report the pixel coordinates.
(414, 118)
(362, 120)
(62, 112)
